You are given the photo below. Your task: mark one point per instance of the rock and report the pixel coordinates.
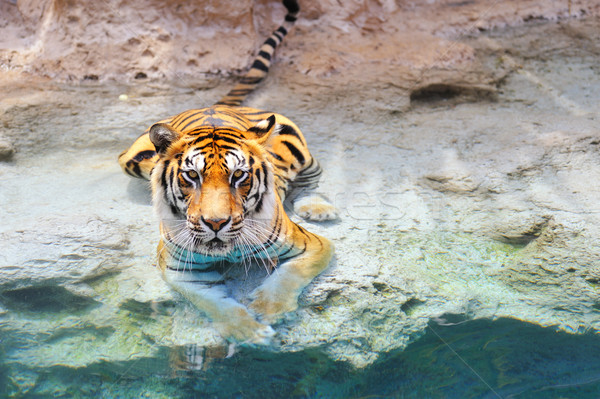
(49, 39)
(453, 183)
(6, 149)
(61, 251)
(484, 206)
(453, 175)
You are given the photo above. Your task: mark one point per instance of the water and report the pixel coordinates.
(489, 359)
(467, 252)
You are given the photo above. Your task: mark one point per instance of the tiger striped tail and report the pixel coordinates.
(259, 69)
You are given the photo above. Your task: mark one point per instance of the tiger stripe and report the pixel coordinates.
(260, 67)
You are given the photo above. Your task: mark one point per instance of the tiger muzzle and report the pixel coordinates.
(215, 224)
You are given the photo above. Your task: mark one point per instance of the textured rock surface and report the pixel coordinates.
(123, 40)
(465, 185)
(60, 251)
(6, 149)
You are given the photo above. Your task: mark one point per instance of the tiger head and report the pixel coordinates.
(213, 187)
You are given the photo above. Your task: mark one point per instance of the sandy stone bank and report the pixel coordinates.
(127, 40)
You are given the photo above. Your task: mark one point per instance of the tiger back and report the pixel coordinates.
(219, 178)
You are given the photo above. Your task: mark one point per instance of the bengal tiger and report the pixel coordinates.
(219, 177)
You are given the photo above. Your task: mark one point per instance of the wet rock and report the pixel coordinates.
(521, 228)
(23, 382)
(61, 251)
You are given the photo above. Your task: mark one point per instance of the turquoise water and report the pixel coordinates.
(504, 358)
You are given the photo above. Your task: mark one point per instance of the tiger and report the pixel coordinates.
(220, 177)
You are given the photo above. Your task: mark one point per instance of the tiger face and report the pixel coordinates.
(213, 186)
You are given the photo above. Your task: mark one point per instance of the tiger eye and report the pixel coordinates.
(193, 174)
(238, 173)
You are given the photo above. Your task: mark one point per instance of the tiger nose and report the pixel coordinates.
(215, 224)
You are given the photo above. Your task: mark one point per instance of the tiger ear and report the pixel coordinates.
(162, 136)
(263, 129)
